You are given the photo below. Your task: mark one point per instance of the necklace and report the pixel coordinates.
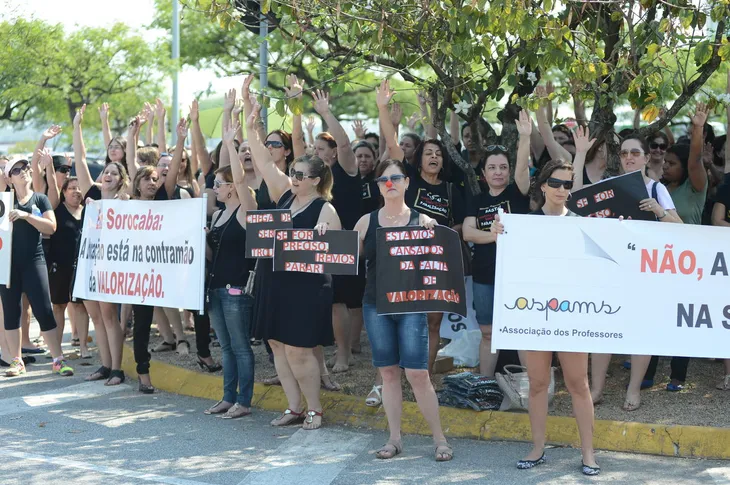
(392, 218)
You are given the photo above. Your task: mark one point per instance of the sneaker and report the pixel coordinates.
(16, 368)
(62, 368)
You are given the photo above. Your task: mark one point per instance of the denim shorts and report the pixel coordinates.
(483, 302)
(397, 339)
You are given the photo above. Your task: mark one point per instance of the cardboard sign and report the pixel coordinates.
(306, 251)
(611, 198)
(261, 227)
(419, 270)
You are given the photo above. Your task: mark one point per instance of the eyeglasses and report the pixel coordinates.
(495, 148)
(63, 169)
(300, 175)
(399, 177)
(658, 146)
(557, 183)
(19, 170)
(218, 183)
(274, 144)
(636, 153)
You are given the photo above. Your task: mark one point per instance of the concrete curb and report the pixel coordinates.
(654, 439)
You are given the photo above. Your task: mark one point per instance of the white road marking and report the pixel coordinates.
(309, 457)
(149, 477)
(85, 390)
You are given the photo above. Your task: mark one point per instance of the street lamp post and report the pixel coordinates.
(175, 112)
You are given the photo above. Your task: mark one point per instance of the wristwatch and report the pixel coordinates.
(663, 215)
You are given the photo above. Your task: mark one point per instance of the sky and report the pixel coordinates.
(73, 14)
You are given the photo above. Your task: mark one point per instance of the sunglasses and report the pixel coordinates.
(557, 183)
(116, 147)
(63, 169)
(658, 146)
(300, 175)
(496, 148)
(218, 183)
(274, 144)
(636, 153)
(19, 170)
(393, 178)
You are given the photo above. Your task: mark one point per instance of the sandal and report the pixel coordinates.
(214, 408)
(389, 450)
(374, 398)
(272, 381)
(236, 411)
(100, 373)
(529, 464)
(591, 471)
(164, 347)
(75, 342)
(443, 451)
(115, 374)
(329, 384)
(288, 417)
(309, 421)
(145, 389)
(631, 406)
(183, 350)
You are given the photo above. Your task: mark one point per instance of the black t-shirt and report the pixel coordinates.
(485, 207)
(346, 196)
(723, 197)
(540, 212)
(26, 238)
(66, 238)
(94, 193)
(370, 194)
(161, 193)
(459, 179)
(433, 200)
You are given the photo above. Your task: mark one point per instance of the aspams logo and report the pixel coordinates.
(565, 306)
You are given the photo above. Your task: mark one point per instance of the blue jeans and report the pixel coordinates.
(483, 302)
(230, 316)
(397, 339)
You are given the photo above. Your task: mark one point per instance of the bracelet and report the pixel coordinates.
(663, 215)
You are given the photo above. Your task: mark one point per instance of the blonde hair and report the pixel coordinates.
(317, 168)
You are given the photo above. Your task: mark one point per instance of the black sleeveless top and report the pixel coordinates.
(229, 267)
(67, 236)
(178, 188)
(370, 252)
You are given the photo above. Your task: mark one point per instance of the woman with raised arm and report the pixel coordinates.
(335, 149)
(512, 198)
(230, 307)
(295, 329)
(31, 216)
(68, 211)
(554, 184)
(109, 334)
(398, 341)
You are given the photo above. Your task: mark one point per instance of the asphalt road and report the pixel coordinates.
(63, 429)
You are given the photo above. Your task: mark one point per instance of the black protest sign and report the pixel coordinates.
(308, 251)
(261, 227)
(419, 270)
(611, 198)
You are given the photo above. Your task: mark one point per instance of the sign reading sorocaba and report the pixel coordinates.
(602, 285)
(143, 252)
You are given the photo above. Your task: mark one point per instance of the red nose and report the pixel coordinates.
(389, 184)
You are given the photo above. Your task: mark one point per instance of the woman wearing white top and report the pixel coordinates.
(634, 156)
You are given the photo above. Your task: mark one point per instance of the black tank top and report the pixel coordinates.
(178, 188)
(67, 235)
(228, 242)
(370, 251)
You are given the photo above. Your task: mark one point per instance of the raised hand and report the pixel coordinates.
(45, 158)
(51, 132)
(147, 114)
(255, 114)
(422, 98)
(524, 124)
(230, 135)
(104, 111)
(708, 155)
(701, 113)
(159, 109)
(229, 100)
(549, 88)
(194, 111)
(541, 92)
(383, 95)
(311, 123)
(413, 121)
(583, 140)
(182, 130)
(295, 88)
(237, 108)
(79, 118)
(246, 88)
(359, 128)
(396, 114)
(134, 126)
(321, 102)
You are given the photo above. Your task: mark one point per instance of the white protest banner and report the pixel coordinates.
(6, 236)
(452, 324)
(143, 252)
(603, 285)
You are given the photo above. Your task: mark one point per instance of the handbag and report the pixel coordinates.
(466, 254)
(515, 386)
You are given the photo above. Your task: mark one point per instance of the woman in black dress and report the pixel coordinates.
(295, 328)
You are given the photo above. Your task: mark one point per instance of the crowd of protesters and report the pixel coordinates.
(331, 182)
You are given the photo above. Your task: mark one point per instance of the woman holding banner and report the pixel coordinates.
(229, 306)
(398, 341)
(554, 184)
(109, 333)
(146, 187)
(635, 155)
(294, 329)
(31, 216)
(512, 198)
